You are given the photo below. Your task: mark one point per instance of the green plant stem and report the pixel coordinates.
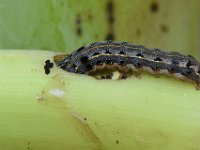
(69, 111)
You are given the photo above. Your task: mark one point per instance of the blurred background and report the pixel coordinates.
(65, 25)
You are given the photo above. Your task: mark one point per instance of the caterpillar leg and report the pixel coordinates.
(122, 76)
(197, 86)
(102, 76)
(137, 74)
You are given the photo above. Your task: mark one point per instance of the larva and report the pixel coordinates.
(125, 56)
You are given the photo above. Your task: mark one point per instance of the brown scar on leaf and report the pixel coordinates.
(87, 131)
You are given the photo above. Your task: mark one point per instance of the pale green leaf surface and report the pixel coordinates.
(70, 111)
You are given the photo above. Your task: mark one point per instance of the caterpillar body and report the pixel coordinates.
(124, 57)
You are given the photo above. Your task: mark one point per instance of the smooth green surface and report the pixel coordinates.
(70, 111)
(50, 24)
(53, 24)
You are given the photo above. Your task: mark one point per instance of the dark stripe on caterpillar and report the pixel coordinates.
(126, 56)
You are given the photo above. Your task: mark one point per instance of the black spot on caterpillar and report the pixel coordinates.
(125, 56)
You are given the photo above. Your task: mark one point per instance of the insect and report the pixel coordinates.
(126, 57)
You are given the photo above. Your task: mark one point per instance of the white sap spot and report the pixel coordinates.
(57, 92)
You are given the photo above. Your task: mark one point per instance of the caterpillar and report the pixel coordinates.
(125, 57)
